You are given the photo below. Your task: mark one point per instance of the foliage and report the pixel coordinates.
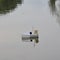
(52, 5)
(8, 5)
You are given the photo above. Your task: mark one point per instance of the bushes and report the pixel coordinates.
(8, 5)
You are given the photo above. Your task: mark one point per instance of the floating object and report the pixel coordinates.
(31, 37)
(25, 37)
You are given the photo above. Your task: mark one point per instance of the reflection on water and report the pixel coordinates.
(33, 14)
(52, 6)
(55, 8)
(8, 5)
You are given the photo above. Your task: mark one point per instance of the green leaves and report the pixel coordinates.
(8, 5)
(52, 5)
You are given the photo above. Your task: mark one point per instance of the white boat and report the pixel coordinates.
(26, 37)
(31, 37)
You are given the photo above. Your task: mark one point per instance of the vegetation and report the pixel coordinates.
(8, 5)
(52, 5)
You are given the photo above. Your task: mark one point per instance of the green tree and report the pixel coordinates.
(8, 5)
(52, 5)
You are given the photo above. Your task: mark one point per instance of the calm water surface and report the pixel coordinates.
(30, 14)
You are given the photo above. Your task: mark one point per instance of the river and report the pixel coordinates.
(30, 15)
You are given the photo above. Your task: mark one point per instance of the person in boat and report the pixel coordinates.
(36, 40)
(30, 38)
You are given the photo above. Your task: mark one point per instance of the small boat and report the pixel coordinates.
(25, 37)
(31, 37)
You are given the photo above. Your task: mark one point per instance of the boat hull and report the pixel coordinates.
(26, 37)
